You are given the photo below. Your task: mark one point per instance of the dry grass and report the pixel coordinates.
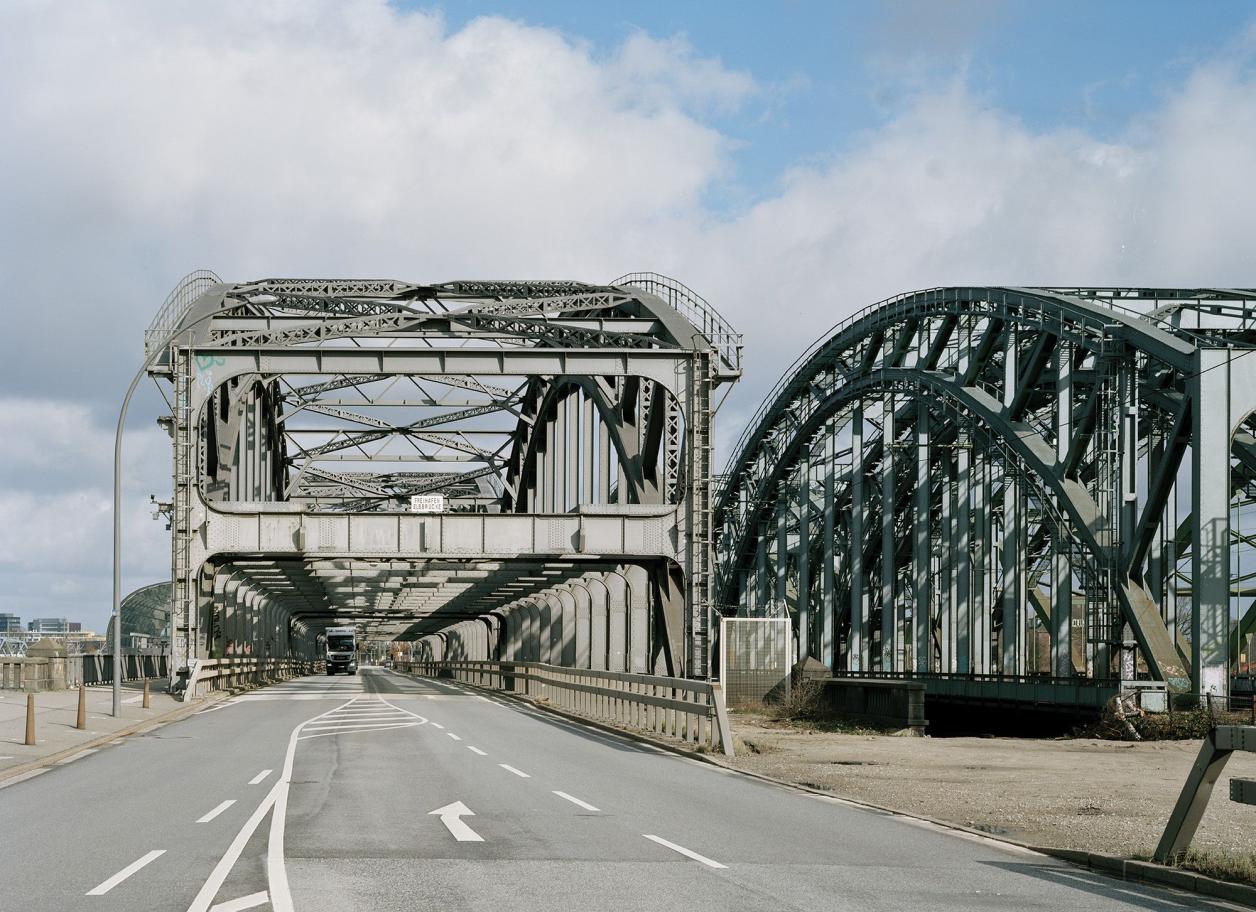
(1220, 864)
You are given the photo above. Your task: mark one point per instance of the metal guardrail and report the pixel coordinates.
(190, 287)
(726, 341)
(691, 711)
(225, 674)
(1214, 753)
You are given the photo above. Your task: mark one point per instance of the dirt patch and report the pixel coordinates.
(1076, 793)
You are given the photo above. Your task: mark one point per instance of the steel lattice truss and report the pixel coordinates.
(566, 427)
(1021, 483)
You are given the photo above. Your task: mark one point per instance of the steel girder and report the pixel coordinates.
(473, 386)
(959, 473)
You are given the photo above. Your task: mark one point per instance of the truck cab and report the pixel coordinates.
(342, 650)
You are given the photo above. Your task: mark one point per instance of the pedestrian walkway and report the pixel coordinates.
(56, 712)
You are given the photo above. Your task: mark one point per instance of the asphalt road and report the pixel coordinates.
(319, 794)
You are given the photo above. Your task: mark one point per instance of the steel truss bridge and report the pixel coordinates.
(1001, 485)
(494, 469)
(1008, 485)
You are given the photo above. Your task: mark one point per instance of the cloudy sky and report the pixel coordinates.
(792, 162)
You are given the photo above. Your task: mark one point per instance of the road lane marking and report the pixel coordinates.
(125, 873)
(252, 901)
(23, 777)
(510, 769)
(437, 725)
(73, 757)
(451, 816)
(216, 811)
(452, 735)
(476, 750)
(260, 776)
(688, 853)
(576, 801)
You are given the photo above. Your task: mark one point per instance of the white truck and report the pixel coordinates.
(342, 650)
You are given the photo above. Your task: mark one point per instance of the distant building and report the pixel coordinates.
(10, 623)
(49, 626)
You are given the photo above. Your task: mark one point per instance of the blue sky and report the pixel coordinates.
(830, 71)
(792, 162)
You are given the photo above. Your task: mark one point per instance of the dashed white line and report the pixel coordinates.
(576, 801)
(476, 750)
(252, 901)
(452, 735)
(216, 811)
(125, 873)
(510, 769)
(260, 776)
(437, 725)
(688, 853)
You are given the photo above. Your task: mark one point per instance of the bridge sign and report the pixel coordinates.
(427, 503)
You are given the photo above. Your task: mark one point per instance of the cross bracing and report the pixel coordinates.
(564, 426)
(1021, 482)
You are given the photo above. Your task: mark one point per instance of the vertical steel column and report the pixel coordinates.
(588, 431)
(804, 554)
(782, 547)
(889, 612)
(828, 619)
(921, 551)
(980, 474)
(947, 588)
(858, 644)
(1061, 567)
(963, 554)
(1210, 522)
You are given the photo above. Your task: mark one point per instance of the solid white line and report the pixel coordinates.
(260, 776)
(82, 753)
(359, 726)
(576, 801)
(452, 735)
(358, 731)
(252, 901)
(22, 778)
(125, 873)
(510, 769)
(476, 750)
(437, 725)
(216, 811)
(688, 853)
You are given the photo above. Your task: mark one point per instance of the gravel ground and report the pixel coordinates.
(1101, 796)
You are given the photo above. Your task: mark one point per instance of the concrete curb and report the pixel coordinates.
(1124, 868)
(174, 715)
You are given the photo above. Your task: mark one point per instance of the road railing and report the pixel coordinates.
(207, 675)
(691, 711)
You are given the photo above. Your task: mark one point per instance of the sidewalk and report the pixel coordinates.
(56, 712)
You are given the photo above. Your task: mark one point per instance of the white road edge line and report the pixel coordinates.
(476, 750)
(455, 737)
(252, 901)
(576, 801)
(688, 853)
(256, 780)
(23, 777)
(216, 811)
(510, 769)
(73, 757)
(125, 873)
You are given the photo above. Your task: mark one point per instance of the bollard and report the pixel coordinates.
(81, 723)
(146, 693)
(30, 719)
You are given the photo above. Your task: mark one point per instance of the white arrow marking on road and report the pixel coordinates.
(451, 815)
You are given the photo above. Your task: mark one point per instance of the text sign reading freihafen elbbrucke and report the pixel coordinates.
(427, 503)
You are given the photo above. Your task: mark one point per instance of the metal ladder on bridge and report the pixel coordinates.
(700, 533)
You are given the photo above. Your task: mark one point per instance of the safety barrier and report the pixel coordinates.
(226, 674)
(691, 711)
(1214, 753)
(98, 668)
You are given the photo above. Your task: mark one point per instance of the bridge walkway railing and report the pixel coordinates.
(691, 711)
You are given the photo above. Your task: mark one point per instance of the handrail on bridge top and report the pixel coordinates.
(726, 341)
